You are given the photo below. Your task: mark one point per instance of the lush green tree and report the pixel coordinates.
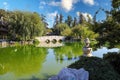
(23, 25)
(81, 32)
(116, 10)
(61, 28)
(109, 29)
(66, 32)
(76, 31)
(86, 32)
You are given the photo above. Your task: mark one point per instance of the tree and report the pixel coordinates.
(76, 31)
(116, 10)
(69, 21)
(43, 19)
(66, 32)
(109, 29)
(61, 28)
(56, 20)
(74, 22)
(23, 25)
(81, 18)
(81, 32)
(61, 18)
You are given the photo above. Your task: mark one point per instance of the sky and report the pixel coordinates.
(50, 8)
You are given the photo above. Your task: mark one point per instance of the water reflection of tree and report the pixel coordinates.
(21, 60)
(69, 51)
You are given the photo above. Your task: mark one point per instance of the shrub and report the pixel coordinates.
(98, 68)
(114, 59)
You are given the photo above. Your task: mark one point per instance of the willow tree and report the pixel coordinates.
(25, 25)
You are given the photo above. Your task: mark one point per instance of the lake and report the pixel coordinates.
(40, 62)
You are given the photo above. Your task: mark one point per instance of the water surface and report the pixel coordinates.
(39, 63)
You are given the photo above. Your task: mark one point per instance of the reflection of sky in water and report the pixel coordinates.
(99, 52)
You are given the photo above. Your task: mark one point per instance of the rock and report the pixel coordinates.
(71, 74)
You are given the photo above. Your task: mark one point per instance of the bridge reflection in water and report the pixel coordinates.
(44, 44)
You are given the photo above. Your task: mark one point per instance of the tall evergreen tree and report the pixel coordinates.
(61, 18)
(56, 20)
(81, 18)
(69, 21)
(74, 22)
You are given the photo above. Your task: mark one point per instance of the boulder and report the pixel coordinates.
(71, 74)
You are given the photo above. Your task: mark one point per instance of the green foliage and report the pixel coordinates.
(98, 68)
(68, 21)
(62, 29)
(23, 25)
(86, 32)
(114, 59)
(109, 29)
(76, 31)
(82, 31)
(115, 3)
(66, 32)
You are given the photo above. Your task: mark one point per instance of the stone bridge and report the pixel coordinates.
(50, 38)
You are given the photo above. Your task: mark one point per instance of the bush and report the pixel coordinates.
(114, 59)
(98, 68)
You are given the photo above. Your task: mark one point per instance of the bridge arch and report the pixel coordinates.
(50, 38)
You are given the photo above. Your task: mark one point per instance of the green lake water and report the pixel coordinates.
(40, 63)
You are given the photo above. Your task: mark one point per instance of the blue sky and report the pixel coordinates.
(50, 8)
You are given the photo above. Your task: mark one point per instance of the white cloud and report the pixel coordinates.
(78, 13)
(42, 4)
(85, 15)
(52, 15)
(51, 18)
(5, 5)
(53, 3)
(90, 2)
(41, 7)
(67, 5)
